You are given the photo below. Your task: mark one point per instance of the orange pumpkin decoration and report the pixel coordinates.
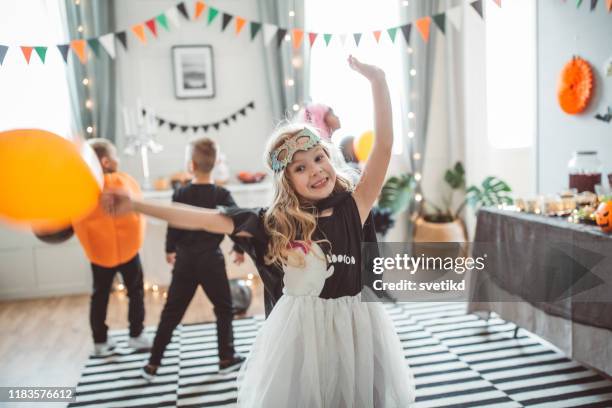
(603, 216)
(575, 86)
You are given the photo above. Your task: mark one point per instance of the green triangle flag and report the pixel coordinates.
(327, 38)
(255, 26)
(578, 3)
(94, 44)
(42, 52)
(212, 13)
(163, 21)
(392, 32)
(440, 21)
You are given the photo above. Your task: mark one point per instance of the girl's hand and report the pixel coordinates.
(116, 202)
(371, 72)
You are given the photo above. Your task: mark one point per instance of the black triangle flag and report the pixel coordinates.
(160, 122)
(234, 117)
(255, 27)
(172, 125)
(440, 21)
(251, 105)
(226, 121)
(226, 20)
(183, 10)
(243, 111)
(280, 36)
(63, 49)
(3, 51)
(357, 37)
(406, 29)
(122, 37)
(593, 4)
(195, 128)
(478, 7)
(216, 125)
(94, 44)
(205, 127)
(184, 128)
(144, 112)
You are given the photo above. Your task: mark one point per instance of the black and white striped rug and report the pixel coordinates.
(458, 360)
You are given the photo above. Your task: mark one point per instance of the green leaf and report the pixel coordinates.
(455, 177)
(397, 192)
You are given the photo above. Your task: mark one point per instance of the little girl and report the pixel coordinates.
(321, 346)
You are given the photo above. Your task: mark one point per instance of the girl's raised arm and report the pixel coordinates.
(375, 170)
(178, 215)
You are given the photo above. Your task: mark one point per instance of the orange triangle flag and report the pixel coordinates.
(498, 2)
(297, 37)
(199, 8)
(377, 35)
(78, 46)
(27, 52)
(609, 5)
(422, 25)
(239, 24)
(139, 32)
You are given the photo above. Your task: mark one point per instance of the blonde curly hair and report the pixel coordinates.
(292, 218)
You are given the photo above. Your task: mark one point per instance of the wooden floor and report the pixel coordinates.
(46, 342)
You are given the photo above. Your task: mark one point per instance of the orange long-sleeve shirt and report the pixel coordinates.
(110, 241)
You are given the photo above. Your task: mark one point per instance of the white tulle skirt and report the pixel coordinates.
(332, 353)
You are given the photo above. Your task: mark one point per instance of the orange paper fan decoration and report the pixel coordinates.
(575, 86)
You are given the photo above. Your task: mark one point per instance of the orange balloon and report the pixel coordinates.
(46, 180)
(363, 145)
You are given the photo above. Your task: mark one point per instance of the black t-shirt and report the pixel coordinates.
(342, 229)
(199, 195)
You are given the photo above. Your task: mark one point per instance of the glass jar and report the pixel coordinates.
(584, 171)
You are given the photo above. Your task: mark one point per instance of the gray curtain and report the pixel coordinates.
(279, 61)
(419, 88)
(97, 18)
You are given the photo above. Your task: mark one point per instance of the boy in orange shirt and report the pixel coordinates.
(112, 246)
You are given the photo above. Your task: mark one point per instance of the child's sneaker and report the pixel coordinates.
(226, 366)
(106, 348)
(140, 343)
(149, 372)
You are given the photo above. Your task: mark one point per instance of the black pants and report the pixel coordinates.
(131, 271)
(191, 270)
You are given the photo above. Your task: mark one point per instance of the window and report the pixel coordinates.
(511, 74)
(332, 82)
(34, 95)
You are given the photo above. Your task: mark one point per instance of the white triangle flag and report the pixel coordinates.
(108, 42)
(454, 16)
(173, 14)
(269, 32)
(343, 39)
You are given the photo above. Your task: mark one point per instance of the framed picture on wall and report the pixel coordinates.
(194, 75)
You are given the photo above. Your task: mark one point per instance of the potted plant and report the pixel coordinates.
(395, 196)
(440, 223)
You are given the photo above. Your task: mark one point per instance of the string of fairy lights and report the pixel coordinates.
(82, 32)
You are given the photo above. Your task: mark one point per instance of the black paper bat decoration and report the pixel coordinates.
(606, 117)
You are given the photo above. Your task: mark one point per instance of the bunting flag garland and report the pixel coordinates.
(3, 51)
(477, 5)
(27, 52)
(180, 13)
(195, 128)
(138, 31)
(226, 20)
(42, 52)
(63, 49)
(440, 21)
(108, 43)
(183, 10)
(122, 37)
(199, 9)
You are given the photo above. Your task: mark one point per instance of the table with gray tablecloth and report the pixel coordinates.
(549, 276)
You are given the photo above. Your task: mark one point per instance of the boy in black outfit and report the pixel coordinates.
(198, 260)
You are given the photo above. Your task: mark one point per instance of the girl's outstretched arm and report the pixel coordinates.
(178, 215)
(375, 170)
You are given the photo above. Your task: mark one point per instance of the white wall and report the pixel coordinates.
(146, 72)
(564, 31)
